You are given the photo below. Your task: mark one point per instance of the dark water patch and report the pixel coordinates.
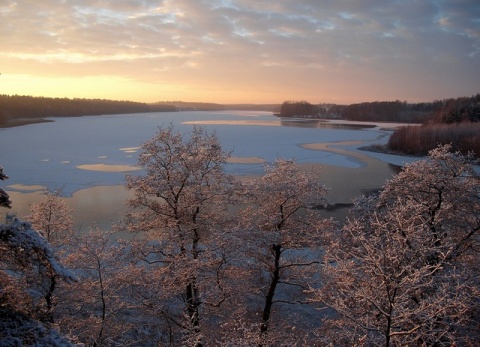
(322, 124)
(332, 207)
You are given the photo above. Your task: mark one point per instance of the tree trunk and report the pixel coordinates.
(271, 290)
(193, 300)
(192, 308)
(387, 334)
(49, 298)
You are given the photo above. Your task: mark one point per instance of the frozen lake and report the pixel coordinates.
(87, 157)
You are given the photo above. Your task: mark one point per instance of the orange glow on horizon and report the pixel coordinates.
(120, 88)
(242, 52)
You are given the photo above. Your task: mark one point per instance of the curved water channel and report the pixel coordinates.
(365, 179)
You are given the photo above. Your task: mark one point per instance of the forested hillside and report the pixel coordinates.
(17, 108)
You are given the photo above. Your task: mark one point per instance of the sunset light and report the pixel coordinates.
(240, 51)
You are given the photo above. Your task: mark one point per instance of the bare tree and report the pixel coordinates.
(404, 270)
(99, 308)
(281, 233)
(180, 201)
(52, 217)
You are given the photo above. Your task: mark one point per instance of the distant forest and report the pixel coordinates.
(443, 111)
(18, 109)
(208, 106)
(450, 121)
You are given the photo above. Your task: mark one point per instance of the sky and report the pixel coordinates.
(241, 51)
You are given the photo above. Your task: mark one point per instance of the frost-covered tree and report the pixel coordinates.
(24, 251)
(4, 198)
(24, 246)
(53, 218)
(180, 201)
(99, 308)
(404, 270)
(280, 234)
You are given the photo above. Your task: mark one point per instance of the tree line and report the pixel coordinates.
(18, 109)
(207, 106)
(225, 262)
(15, 108)
(379, 111)
(390, 111)
(439, 111)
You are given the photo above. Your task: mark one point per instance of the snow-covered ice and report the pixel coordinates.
(77, 153)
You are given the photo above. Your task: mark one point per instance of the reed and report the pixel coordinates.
(418, 140)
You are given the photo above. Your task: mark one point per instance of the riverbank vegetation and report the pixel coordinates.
(222, 262)
(456, 122)
(418, 140)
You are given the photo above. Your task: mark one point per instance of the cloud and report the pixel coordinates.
(233, 43)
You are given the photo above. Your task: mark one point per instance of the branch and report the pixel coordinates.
(299, 264)
(170, 318)
(408, 332)
(296, 302)
(218, 303)
(294, 284)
